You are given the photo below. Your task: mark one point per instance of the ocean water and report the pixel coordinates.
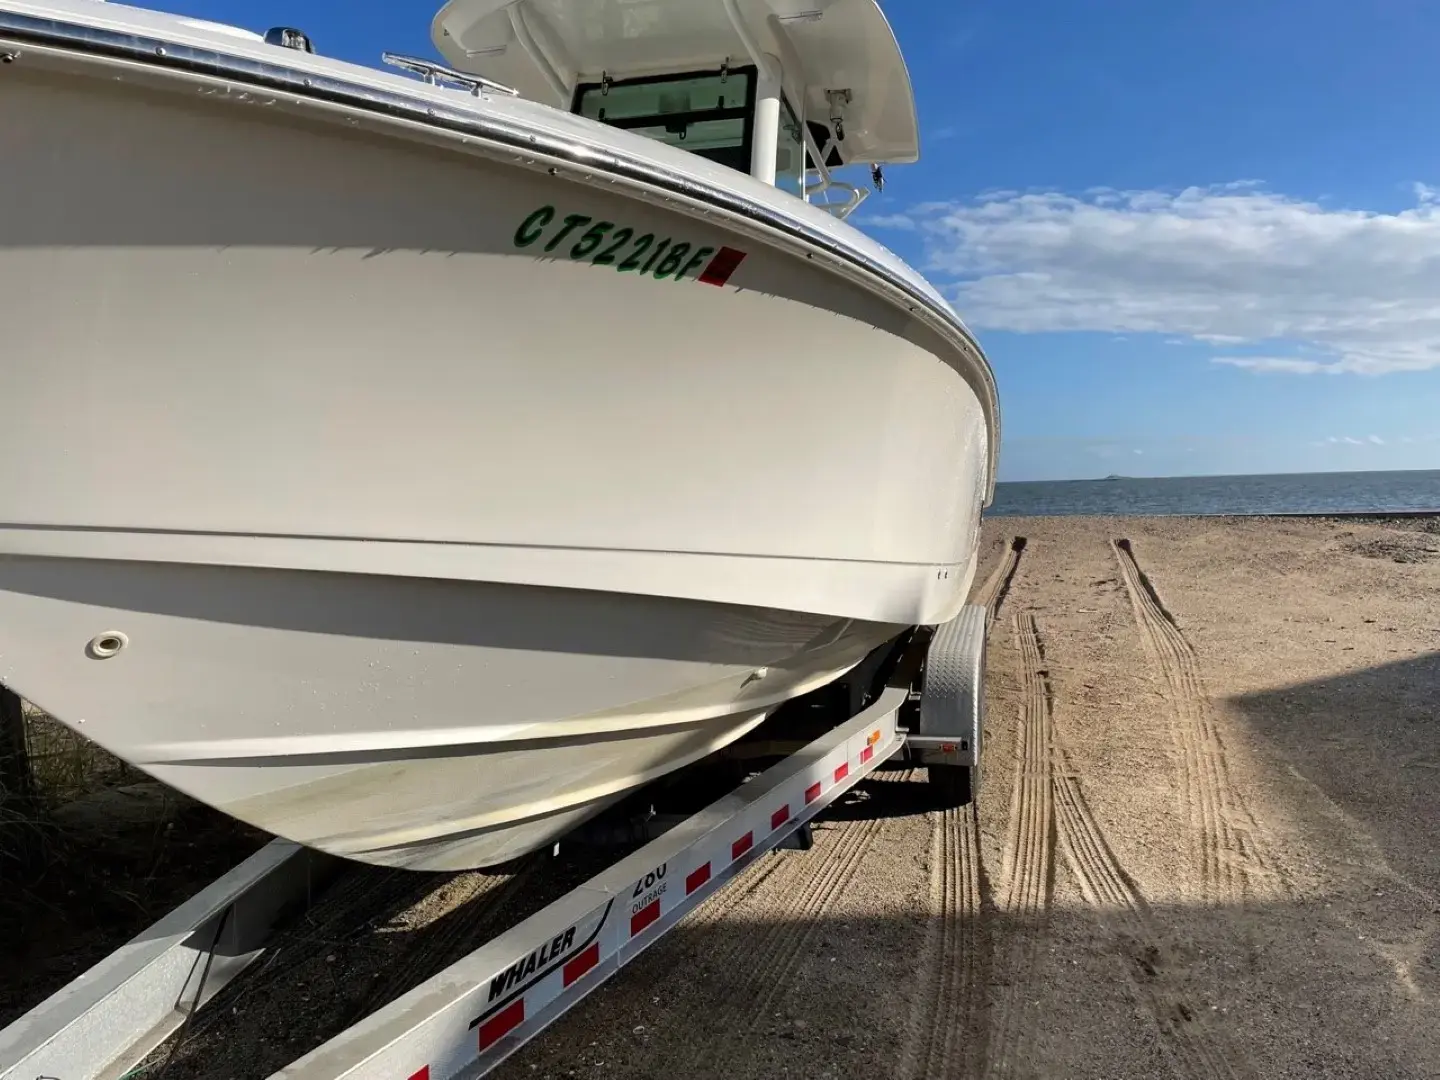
(1282, 493)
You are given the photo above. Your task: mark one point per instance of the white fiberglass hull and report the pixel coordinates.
(405, 721)
(430, 525)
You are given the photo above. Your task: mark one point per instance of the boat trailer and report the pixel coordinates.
(474, 1014)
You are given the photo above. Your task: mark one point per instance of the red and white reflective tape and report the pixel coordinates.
(476, 1013)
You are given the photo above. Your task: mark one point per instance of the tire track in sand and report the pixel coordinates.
(945, 1035)
(1222, 830)
(1115, 897)
(1028, 869)
(992, 594)
(1195, 1054)
(766, 961)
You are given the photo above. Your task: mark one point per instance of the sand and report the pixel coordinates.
(1207, 844)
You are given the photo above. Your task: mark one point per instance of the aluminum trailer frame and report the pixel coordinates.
(105, 1021)
(470, 1017)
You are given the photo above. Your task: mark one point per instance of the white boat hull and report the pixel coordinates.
(427, 542)
(403, 721)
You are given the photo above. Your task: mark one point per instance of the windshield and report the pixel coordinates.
(706, 113)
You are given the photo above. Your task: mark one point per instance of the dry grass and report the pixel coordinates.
(62, 767)
(66, 766)
(92, 851)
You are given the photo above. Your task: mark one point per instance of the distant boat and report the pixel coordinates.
(1112, 476)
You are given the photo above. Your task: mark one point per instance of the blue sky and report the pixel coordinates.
(1193, 237)
(1131, 197)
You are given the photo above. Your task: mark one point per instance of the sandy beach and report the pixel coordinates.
(1207, 844)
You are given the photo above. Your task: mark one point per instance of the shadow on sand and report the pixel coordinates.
(1370, 742)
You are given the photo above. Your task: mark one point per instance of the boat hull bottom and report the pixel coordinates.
(581, 780)
(408, 722)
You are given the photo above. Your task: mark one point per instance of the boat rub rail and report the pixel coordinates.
(306, 77)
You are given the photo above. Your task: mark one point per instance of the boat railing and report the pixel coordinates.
(434, 74)
(827, 182)
(844, 209)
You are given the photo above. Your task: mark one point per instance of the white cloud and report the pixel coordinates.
(1342, 290)
(1289, 364)
(1377, 440)
(892, 221)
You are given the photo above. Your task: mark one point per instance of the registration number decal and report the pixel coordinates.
(604, 243)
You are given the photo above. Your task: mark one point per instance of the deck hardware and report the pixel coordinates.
(435, 74)
(287, 37)
(106, 644)
(838, 100)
